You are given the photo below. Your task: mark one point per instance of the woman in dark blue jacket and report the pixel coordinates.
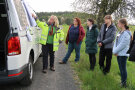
(74, 39)
(91, 42)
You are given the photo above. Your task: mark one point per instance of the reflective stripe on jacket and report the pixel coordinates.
(58, 36)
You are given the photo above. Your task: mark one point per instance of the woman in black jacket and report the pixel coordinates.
(132, 48)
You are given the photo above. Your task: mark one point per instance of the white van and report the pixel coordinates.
(19, 48)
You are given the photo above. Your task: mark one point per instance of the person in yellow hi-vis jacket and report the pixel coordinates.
(51, 37)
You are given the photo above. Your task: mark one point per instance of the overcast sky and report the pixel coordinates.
(51, 5)
(54, 6)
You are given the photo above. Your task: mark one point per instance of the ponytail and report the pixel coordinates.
(124, 21)
(127, 27)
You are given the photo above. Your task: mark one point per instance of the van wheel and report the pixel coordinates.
(27, 80)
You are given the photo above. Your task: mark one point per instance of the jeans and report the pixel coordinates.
(122, 61)
(48, 49)
(71, 47)
(105, 54)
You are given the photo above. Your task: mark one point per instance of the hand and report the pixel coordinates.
(34, 16)
(116, 54)
(100, 44)
(60, 41)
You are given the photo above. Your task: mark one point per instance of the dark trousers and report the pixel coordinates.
(105, 54)
(92, 59)
(48, 50)
(122, 61)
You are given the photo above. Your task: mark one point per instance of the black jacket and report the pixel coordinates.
(132, 49)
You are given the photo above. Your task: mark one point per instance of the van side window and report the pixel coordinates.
(21, 14)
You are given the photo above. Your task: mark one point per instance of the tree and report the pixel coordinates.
(59, 18)
(62, 16)
(100, 8)
(68, 21)
(62, 20)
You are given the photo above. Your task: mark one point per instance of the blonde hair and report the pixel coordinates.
(109, 17)
(56, 21)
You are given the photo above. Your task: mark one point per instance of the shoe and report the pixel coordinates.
(52, 69)
(101, 68)
(76, 62)
(91, 69)
(124, 85)
(44, 70)
(61, 62)
(105, 72)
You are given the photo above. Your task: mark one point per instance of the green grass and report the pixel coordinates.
(96, 80)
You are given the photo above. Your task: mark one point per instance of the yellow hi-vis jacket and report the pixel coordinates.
(58, 36)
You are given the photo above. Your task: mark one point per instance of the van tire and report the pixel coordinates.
(27, 80)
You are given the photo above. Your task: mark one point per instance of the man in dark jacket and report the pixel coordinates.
(105, 41)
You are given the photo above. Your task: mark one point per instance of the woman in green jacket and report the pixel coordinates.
(91, 42)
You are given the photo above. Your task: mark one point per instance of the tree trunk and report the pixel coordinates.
(106, 9)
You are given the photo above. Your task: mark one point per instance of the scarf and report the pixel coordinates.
(51, 30)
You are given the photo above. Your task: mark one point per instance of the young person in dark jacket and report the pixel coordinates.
(74, 38)
(91, 42)
(105, 41)
(132, 50)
